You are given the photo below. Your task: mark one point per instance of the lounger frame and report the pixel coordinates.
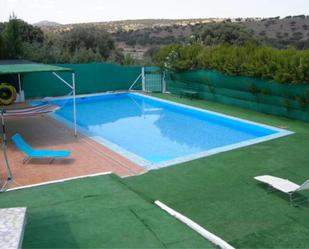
(30, 154)
(291, 194)
(293, 201)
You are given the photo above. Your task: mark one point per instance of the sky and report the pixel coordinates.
(76, 11)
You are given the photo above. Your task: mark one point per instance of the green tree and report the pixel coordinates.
(88, 38)
(12, 38)
(30, 33)
(117, 56)
(84, 55)
(16, 35)
(129, 60)
(2, 48)
(223, 33)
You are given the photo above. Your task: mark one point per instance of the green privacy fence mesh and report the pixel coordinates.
(260, 95)
(90, 78)
(268, 97)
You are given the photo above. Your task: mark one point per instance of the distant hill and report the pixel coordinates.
(136, 37)
(125, 25)
(43, 24)
(282, 32)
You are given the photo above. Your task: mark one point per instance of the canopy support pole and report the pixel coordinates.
(74, 104)
(72, 87)
(143, 80)
(19, 84)
(20, 90)
(4, 144)
(163, 83)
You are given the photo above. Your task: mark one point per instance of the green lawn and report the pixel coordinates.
(219, 191)
(97, 212)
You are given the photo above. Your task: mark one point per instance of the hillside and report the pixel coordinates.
(137, 37)
(282, 32)
(125, 25)
(46, 24)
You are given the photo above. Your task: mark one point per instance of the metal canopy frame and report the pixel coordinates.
(71, 86)
(142, 76)
(29, 67)
(4, 140)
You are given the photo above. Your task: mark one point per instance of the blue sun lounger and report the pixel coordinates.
(32, 153)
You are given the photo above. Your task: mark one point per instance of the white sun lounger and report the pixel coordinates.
(283, 185)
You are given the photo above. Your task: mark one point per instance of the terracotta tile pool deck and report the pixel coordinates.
(87, 156)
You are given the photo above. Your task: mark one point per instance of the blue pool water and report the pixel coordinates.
(153, 132)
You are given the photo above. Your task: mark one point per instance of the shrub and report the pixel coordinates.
(281, 65)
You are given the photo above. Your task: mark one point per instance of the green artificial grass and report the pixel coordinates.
(97, 212)
(219, 191)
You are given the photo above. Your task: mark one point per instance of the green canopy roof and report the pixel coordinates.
(31, 67)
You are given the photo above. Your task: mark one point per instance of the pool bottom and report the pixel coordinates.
(150, 165)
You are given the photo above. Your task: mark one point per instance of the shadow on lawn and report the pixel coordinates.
(299, 199)
(48, 230)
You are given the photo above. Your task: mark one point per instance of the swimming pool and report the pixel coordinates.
(156, 133)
